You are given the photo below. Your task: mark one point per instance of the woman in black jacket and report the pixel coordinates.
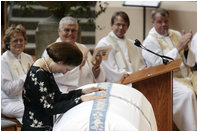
(41, 95)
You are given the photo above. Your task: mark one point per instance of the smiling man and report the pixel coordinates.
(124, 58)
(171, 43)
(87, 72)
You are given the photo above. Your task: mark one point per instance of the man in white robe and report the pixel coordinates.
(87, 72)
(124, 58)
(171, 43)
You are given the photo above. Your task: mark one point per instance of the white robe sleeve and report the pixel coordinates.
(11, 87)
(151, 59)
(192, 52)
(113, 72)
(190, 60)
(194, 46)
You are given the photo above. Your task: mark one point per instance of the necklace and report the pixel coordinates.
(46, 65)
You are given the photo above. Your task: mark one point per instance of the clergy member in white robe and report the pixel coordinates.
(84, 74)
(124, 58)
(14, 66)
(193, 46)
(171, 43)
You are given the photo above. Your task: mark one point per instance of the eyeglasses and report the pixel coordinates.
(66, 30)
(17, 40)
(119, 25)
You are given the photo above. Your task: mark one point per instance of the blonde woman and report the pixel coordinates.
(14, 66)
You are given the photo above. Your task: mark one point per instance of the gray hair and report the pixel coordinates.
(162, 12)
(68, 20)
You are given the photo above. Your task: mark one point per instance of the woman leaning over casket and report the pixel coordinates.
(41, 95)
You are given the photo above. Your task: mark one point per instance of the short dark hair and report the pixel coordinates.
(11, 31)
(68, 53)
(162, 12)
(121, 14)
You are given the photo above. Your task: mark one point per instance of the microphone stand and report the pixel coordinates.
(165, 59)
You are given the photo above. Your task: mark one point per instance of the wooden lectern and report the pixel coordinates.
(156, 84)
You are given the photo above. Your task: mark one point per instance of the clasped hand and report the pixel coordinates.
(184, 41)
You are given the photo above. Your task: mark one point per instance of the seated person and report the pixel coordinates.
(193, 47)
(41, 95)
(88, 71)
(14, 67)
(171, 43)
(124, 58)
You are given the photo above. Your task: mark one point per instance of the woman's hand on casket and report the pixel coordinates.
(92, 89)
(91, 97)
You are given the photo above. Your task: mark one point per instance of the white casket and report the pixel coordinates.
(124, 109)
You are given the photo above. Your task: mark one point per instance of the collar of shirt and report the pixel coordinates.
(113, 34)
(153, 30)
(16, 56)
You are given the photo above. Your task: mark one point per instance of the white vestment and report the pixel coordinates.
(76, 77)
(194, 46)
(13, 74)
(123, 58)
(184, 100)
(123, 109)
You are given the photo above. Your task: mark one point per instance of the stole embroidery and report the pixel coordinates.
(99, 109)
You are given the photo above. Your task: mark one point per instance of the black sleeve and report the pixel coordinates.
(72, 94)
(44, 92)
